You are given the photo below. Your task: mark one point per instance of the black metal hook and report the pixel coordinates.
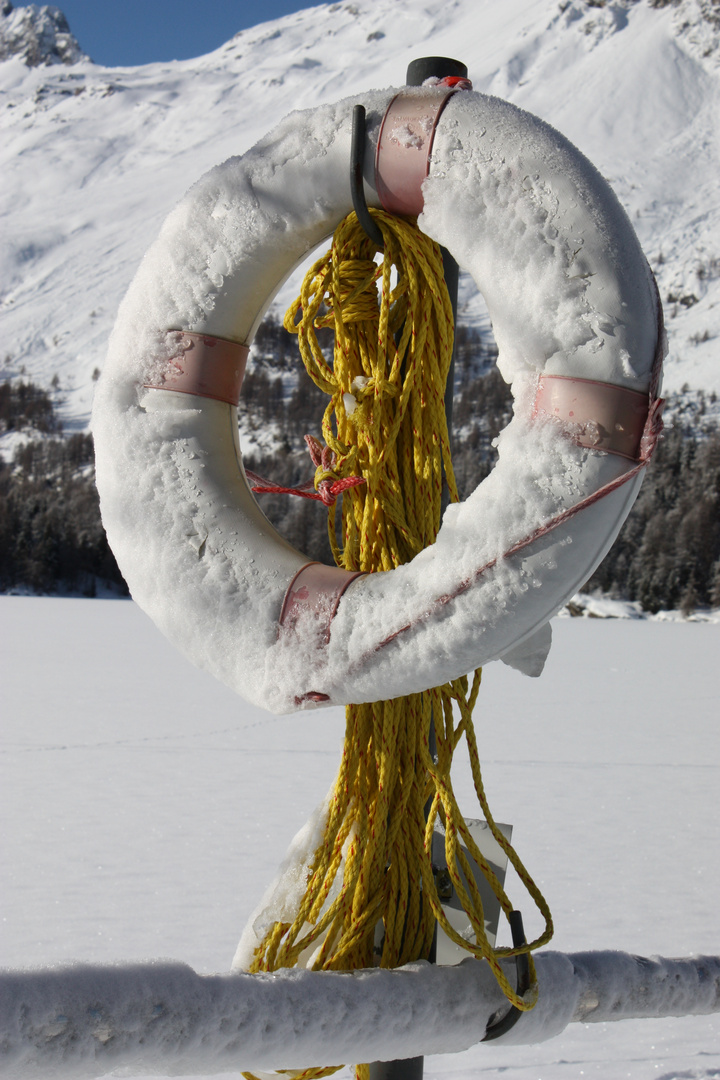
(357, 158)
(522, 981)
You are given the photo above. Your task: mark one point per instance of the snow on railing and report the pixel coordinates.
(161, 1018)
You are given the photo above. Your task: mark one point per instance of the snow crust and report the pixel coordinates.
(163, 1018)
(556, 245)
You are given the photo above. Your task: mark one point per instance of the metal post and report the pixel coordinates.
(440, 67)
(418, 71)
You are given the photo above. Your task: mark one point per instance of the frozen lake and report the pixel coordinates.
(145, 807)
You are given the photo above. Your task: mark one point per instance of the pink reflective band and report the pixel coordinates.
(316, 588)
(206, 366)
(595, 414)
(402, 160)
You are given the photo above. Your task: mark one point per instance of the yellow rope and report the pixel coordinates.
(386, 422)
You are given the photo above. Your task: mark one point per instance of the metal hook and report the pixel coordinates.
(522, 980)
(357, 157)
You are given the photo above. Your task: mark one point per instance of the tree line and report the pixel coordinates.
(51, 538)
(667, 555)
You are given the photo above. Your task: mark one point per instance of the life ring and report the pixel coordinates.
(578, 325)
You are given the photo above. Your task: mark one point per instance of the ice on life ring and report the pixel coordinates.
(577, 322)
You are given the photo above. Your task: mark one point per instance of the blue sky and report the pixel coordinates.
(116, 33)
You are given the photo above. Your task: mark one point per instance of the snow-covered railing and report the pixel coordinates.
(162, 1018)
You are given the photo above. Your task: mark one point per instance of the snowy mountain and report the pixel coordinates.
(93, 158)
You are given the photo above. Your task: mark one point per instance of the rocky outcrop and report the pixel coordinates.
(38, 35)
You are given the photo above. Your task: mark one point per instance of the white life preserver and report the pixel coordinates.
(577, 322)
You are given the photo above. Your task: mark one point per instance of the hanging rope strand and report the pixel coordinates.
(385, 422)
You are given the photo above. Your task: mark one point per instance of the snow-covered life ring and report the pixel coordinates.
(577, 322)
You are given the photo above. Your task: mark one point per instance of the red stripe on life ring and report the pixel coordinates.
(402, 159)
(595, 414)
(207, 366)
(316, 589)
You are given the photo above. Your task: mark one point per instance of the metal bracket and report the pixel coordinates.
(522, 981)
(357, 161)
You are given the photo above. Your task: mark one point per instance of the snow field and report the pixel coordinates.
(144, 808)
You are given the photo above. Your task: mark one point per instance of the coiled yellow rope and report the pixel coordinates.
(386, 422)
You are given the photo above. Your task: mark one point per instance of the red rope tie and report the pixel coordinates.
(327, 489)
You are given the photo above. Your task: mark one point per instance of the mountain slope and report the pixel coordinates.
(93, 158)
